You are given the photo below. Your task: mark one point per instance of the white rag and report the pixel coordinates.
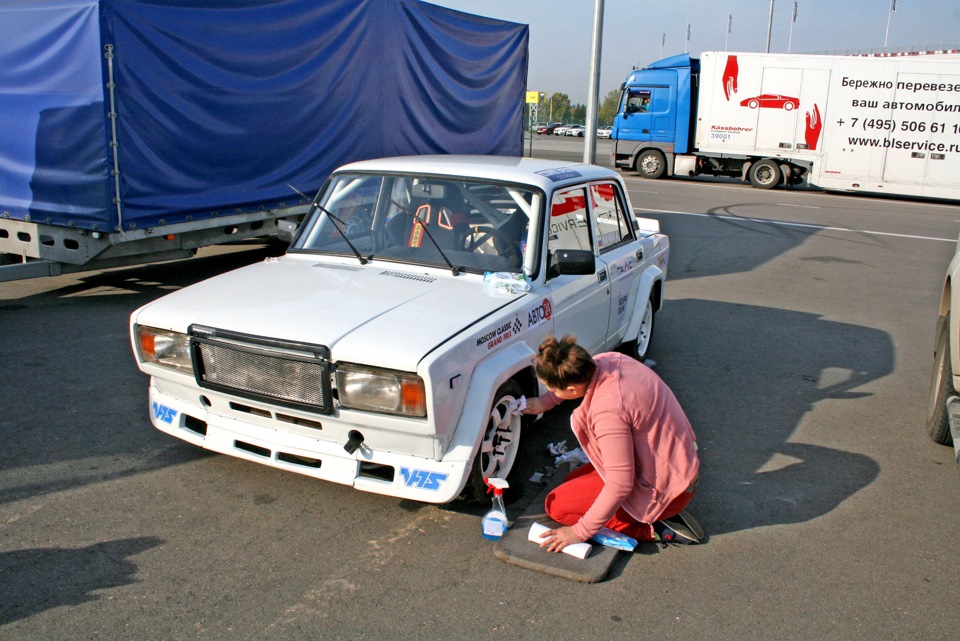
(517, 405)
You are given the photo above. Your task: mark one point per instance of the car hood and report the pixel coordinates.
(378, 314)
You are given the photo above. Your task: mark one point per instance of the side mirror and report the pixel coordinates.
(575, 261)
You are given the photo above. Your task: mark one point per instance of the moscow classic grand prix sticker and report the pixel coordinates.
(509, 329)
(500, 334)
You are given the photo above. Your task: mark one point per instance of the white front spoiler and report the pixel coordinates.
(369, 470)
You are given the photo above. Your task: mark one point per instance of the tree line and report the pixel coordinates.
(559, 108)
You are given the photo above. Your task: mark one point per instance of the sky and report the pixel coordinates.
(561, 32)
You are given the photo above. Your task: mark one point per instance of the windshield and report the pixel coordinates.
(475, 226)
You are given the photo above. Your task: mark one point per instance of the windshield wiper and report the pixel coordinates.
(336, 223)
(454, 270)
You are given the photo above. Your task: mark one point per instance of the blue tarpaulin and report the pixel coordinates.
(220, 105)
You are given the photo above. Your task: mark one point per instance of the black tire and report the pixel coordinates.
(639, 348)
(502, 429)
(941, 386)
(651, 164)
(765, 174)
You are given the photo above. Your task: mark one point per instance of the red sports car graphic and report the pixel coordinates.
(771, 101)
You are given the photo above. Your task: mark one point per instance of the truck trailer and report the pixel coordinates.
(886, 125)
(137, 131)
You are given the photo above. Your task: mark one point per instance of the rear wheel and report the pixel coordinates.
(765, 174)
(651, 164)
(941, 387)
(640, 347)
(498, 450)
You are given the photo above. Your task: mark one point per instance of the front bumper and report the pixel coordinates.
(370, 470)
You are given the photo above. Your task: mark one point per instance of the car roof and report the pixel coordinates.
(546, 174)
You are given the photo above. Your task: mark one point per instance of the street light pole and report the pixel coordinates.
(590, 127)
(770, 26)
(886, 36)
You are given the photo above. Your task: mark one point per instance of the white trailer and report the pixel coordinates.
(862, 124)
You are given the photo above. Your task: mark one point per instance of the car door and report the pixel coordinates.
(580, 303)
(614, 234)
(636, 122)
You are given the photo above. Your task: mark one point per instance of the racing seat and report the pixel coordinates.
(446, 225)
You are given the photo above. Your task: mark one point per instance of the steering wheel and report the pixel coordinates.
(506, 246)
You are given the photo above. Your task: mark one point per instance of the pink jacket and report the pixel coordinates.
(635, 433)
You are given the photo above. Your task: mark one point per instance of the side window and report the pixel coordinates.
(638, 101)
(610, 217)
(569, 227)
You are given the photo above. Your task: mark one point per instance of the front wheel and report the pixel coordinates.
(651, 164)
(498, 450)
(941, 387)
(765, 174)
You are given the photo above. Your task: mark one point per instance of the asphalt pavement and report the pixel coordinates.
(797, 333)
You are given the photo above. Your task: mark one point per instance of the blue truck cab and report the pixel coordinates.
(655, 120)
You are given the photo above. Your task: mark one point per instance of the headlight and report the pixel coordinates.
(381, 390)
(170, 349)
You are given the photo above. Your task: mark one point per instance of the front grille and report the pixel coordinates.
(256, 369)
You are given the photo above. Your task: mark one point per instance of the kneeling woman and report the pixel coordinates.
(643, 458)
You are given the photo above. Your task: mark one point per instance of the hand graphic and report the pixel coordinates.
(814, 125)
(730, 73)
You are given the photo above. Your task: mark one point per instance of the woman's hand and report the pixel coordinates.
(534, 406)
(556, 540)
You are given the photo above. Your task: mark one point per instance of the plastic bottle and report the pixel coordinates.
(494, 523)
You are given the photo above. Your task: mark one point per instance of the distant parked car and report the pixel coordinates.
(562, 129)
(604, 132)
(771, 101)
(547, 128)
(575, 130)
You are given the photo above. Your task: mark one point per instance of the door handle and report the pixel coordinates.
(644, 131)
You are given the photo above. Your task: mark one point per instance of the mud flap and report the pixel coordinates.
(953, 414)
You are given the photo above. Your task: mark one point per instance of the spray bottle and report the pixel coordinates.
(494, 522)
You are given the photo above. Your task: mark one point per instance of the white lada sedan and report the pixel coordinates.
(386, 348)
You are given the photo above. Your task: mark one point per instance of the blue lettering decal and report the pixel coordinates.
(164, 413)
(422, 479)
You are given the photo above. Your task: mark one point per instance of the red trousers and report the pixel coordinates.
(571, 500)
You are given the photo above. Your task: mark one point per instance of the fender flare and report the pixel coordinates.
(487, 377)
(649, 279)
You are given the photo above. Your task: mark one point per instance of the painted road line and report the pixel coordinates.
(783, 223)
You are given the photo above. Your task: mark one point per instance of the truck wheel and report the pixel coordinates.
(498, 450)
(765, 174)
(651, 164)
(941, 388)
(640, 347)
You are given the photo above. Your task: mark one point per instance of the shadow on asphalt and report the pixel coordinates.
(746, 376)
(40, 579)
